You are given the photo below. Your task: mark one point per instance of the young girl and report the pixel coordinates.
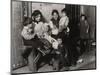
(63, 23)
(63, 34)
(84, 33)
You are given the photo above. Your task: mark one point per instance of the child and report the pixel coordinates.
(28, 30)
(28, 38)
(59, 56)
(84, 33)
(63, 23)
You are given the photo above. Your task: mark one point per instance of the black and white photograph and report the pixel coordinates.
(52, 37)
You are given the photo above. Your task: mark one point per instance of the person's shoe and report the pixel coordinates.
(64, 69)
(25, 59)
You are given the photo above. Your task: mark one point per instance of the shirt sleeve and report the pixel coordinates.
(87, 26)
(51, 25)
(61, 22)
(66, 21)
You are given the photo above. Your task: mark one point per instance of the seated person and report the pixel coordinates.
(33, 43)
(29, 41)
(27, 36)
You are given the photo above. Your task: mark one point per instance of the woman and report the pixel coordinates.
(55, 18)
(54, 23)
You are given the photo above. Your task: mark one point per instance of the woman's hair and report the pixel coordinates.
(27, 21)
(36, 13)
(84, 16)
(55, 11)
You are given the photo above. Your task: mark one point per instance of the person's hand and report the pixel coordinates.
(30, 30)
(60, 28)
(87, 31)
(57, 52)
(66, 55)
(68, 29)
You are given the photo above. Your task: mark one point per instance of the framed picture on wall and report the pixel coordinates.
(52, 37)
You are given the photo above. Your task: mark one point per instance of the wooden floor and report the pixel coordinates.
(88, 63)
